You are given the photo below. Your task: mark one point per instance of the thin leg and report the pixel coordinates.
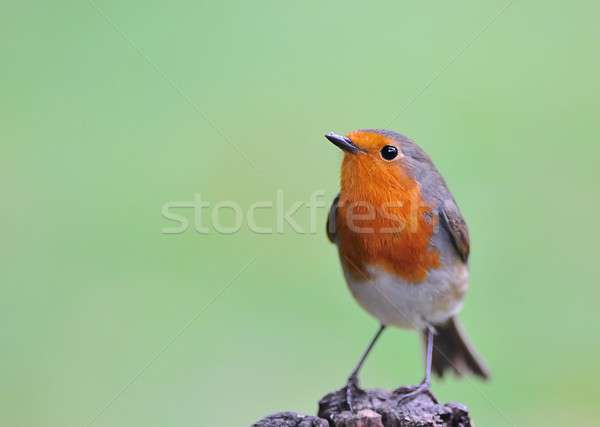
(429, 356)
(426, 383)
(352, 383)
(354, 375)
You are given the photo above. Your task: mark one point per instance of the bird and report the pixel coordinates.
(404, 249)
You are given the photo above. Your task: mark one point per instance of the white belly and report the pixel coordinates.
(412, 306)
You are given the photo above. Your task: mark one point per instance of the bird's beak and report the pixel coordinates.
(342, 142)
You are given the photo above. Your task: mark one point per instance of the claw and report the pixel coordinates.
(351, 386)
(411, 392)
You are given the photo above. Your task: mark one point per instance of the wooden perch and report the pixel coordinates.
(375, 408)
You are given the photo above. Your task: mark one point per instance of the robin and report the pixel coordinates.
(404, 249)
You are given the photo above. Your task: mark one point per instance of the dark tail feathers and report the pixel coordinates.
(452, 351)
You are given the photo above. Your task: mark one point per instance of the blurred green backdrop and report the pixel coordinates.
(111, 109)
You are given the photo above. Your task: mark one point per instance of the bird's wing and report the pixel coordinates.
(452, 220)
(331, 227)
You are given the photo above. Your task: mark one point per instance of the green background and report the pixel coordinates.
(110, 109)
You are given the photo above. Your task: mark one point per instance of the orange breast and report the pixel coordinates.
(383, 221)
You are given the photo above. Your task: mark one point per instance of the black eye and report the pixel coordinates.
(389, 152)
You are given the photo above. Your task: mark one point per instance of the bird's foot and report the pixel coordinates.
(352, 392)
(410, 392)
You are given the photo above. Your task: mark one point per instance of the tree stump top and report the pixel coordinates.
(375, 408)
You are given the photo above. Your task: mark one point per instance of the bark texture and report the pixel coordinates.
(375, 408)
